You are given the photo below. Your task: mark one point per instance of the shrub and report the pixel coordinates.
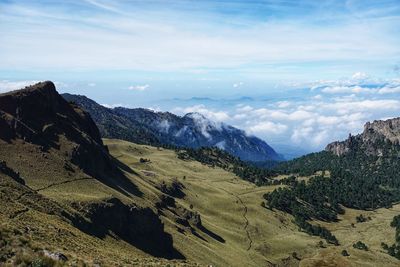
(360, 245)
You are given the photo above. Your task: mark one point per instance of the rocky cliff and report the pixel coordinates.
(38, 114)
(54, 162)
(379, 137)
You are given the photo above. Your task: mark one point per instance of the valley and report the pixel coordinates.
(232, 209)
(199, 133)
(72, 198)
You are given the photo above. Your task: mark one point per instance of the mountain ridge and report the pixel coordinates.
(68, 194)
(47, 144)
(192, 130)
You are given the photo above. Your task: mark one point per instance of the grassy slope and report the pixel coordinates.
(46, 175)
(222, 199)
(229, 207)
(240, 231)
(371, 232)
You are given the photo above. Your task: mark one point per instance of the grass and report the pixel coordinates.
(214, 193)
(238, 231)
(225, 203)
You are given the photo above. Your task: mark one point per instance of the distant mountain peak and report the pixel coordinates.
(203, 123)
(195, 115)
(193, 130)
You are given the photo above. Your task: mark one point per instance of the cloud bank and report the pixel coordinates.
(315, 120)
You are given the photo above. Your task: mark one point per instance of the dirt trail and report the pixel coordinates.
(19, 212)
(64, 182)
(244, 215)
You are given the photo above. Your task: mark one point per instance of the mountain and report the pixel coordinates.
(376, 139)
(111, 124)
(57, 178)
(363, 168)
(359, 173)
(70, 198)
(40, 116)
(192, 130)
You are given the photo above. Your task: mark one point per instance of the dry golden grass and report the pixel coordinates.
(229, 207)
(221, 198)
(240, 232)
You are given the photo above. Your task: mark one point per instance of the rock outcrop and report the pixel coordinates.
(377, 139)
(39, 115)
(54, 143)
(140, 227)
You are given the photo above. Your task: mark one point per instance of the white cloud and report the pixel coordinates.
(6, 85)
(283, 104)
(116, 105)
(310, 123)
(346, 89)
(317, 97)
(139, 87)
(219, 116)
(91, 84)
(237, 85)
(362, 105)
(246, 108)
(389, 90)
(359, 76)
(359, 84)
(101, 39)
(267, 127)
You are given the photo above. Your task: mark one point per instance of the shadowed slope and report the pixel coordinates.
(55, 149)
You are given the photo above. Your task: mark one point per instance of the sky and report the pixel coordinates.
(298, 74)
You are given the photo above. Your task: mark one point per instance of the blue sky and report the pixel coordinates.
(286, 55)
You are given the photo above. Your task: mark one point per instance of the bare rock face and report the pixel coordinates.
(372, 140)
(389, 130)
(340, 148)
(10, 172)
(140, 227)
(57, 256)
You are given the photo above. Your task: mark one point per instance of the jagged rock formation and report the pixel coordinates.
(377, 139)
(388, 129)
(193, 130)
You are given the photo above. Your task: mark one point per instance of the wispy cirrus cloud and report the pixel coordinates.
(232, 36)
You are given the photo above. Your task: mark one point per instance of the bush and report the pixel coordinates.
(142, 160)
(361, 218)
(360, 245)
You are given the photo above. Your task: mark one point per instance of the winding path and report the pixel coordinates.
(64, 182)
(246, 224)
